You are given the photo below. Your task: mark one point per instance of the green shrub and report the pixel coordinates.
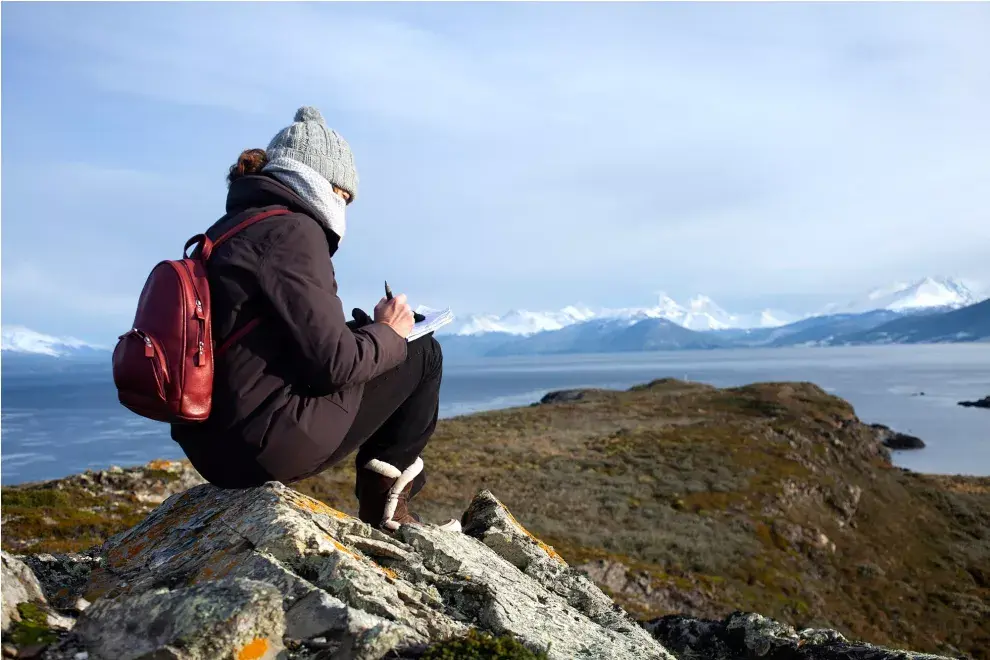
(481, 646)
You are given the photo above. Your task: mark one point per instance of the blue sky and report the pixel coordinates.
(511, 155)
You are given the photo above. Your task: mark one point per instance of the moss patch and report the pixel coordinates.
(33, 627)
(481, 646)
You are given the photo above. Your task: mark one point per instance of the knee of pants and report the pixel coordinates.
(434, 356)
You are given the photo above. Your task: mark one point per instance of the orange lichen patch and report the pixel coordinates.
(163, 464)
(316, 506)
(134, 549)
(254, 650)
(347, 551)
(543, 546)
(221, 563)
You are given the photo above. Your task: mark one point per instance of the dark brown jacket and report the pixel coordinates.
(284, 395)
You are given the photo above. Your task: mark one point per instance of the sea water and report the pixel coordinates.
(61, 417)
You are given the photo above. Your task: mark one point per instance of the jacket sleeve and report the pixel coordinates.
(297, 277)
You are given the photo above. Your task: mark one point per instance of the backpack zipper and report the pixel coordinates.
(201, 327)
(200, 316)
(159, 361)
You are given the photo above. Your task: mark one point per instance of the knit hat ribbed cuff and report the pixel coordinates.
(336, 171)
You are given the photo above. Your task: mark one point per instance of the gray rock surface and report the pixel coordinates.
(225, 619)
(895, 440)
(369, 592)
(979, 403)
(753, 637)
(490, 522)
(19, 586)
(63, 577)
(564, 396)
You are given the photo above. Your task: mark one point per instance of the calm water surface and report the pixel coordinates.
(64, 421)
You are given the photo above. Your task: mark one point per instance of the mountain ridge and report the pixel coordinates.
(702, 324)
(702, 313)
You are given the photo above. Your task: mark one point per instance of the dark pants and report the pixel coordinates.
(398, 411)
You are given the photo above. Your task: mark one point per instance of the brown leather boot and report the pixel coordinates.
(383, 495)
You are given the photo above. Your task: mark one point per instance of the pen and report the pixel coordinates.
(418, 318)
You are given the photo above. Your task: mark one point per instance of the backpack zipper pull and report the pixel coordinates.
(149, 348)
(199, 309)
(199, 355)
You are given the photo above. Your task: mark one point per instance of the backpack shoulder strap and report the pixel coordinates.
(207, 246)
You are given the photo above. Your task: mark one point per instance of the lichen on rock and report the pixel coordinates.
(225, 619)
(339, 579)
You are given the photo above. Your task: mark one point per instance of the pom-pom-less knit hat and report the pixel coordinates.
(309, 141)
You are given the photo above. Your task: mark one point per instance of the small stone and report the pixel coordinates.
(31, 651)
(82, 655)
(58, 621)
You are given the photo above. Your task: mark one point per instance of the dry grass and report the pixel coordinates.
(722, 497)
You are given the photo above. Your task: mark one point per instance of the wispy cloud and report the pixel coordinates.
(548, 152)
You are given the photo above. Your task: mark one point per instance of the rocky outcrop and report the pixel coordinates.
(894, 440)
(563, 396)
(270, 573)
(753, 637)
(980, 403)
(276, 564)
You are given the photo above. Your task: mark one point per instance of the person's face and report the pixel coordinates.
(343, 194)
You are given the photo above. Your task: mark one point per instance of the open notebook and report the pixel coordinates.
(435, 319)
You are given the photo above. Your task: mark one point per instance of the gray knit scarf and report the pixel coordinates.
(313, 188)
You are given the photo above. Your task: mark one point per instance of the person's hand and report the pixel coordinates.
(396, 314)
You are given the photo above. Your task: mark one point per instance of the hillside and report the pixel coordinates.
(676, 498)
(770, 498)
(967, 324)
(610, 336)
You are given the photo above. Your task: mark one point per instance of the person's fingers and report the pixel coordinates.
(400, 299)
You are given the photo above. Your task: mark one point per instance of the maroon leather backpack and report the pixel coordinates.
(163, 366)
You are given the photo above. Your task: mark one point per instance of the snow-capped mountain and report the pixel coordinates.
(18, 339)
(927, 293)
(522, 322)
(701, 313)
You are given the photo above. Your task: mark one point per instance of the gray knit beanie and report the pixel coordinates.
(309, 141)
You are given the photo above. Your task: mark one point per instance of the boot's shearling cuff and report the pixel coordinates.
(402, 479)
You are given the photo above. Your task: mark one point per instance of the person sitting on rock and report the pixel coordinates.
(298, 387)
